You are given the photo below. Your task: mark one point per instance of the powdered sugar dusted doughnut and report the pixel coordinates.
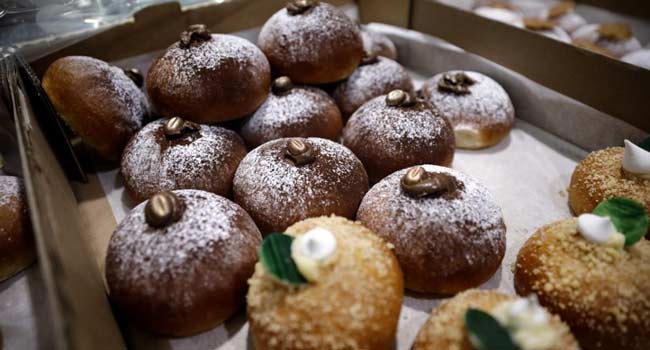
(209, 78)
(617, 38)
(504, 15)
(287, 180)
(564, 15)
(99, 102)
(377, 44)
(289, 111)
(447, 230)
(375, 76)
(640, 58)
(178, 264)
(16, 240)
(311, 42)
(195, 157)
(479, 109)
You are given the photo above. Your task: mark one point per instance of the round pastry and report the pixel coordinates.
(300, 111)
(177, 264)
(395, 131)
(447, 230)
(617, 38)
(547, 28)
(177, 154)
(564, 16)
(639, 58)
(16, 240)
(209, 78)
(100, 103)
(375, 76)
(288, 180)
(529, 325)
(311, 42)
(377, 44)
(505, 15)
(608, 173)
(353, 302)
(599, 290)
(477, 107)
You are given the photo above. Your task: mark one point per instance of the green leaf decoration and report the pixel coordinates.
(645, 144)
(489, 333)
(275, 256)
(628, 216)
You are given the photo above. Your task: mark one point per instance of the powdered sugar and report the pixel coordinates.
(377, 44)
(10, 189)
(486, 104)
(152, 163)
(590, 33)
(371, 80)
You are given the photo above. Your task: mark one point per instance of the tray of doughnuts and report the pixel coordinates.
(315, 183)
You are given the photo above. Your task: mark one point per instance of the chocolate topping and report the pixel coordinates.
(163, 209)
(615, 31)
(296, 7)
(195, 33)
(457, 83)
(135, 75)
(561, 9)
(417, 182)
(177, 127)
(300, 152)
(538, 24)
(281, 85)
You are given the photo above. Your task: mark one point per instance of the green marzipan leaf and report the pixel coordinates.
(645, 144)
(628, 216)
(488, 331)
(275, 256)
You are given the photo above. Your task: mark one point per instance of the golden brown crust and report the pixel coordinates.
(99, 102)
(602, 293)
(218, 80)
(600, 176)
(354, 305)
(16, 240)
(445, 328)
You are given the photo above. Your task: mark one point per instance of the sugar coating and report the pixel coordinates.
(144, 259)
(295, 112)
(640, 58)
(570, 21)
(501, 15)
(589, 33)
(377, 43)
(600, 289)
(369, 81)
(470, 223)
(304, 37)
(151, 163)
(11, 188)
(487, 104)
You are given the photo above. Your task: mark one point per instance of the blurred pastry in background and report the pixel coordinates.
(617, 38)
(564, 16)
(16, 239)
(377, 44)
(501, 12)
(546, 28)
(639, 58)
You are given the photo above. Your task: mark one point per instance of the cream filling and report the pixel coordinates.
(600, 230)
(312, 251)
(528, 324)
(636, 160)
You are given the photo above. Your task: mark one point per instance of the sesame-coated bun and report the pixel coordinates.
(602, 293)
(389, 138)
(277, 191)
(377, 43)
(480, 111)
(445, 328)
(16, 240)
(375, 76)
(184, 277)
(203, 159)
(355, 303)
(99, 102)
(301, 111)
(209, 80)
(445, 242)
(600, 176)
(316, 44)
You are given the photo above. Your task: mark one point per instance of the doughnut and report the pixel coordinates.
(616, 38)
(547, 28)
(504, 15)
(639, 58)
(377, 44)
(564, 16)
(16, 239)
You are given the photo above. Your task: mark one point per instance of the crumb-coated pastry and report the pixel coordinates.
(603, 175)
(600, 291)
(564, 16)
(311, 42)
(375, 76)
(547, 28)
(617, 38)
(16, 240)
(100, 102)
(531, 326)
(447, 230)
(395, 131)
(177, 264)
(504, 15)
(293, 111)
(353, 304)
(177, 154)
(477, 107)
(377, 44)
(639, 58)
(288, 180)
(209, 78)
